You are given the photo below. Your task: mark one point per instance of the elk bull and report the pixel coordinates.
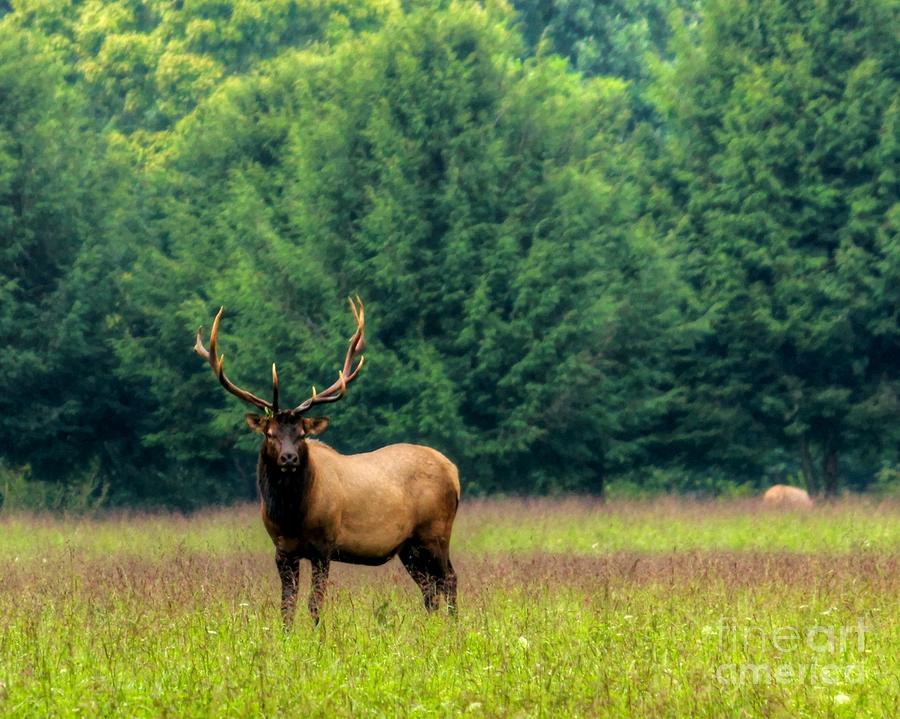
(320, 505)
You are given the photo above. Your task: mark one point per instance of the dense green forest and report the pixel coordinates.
(635, 244)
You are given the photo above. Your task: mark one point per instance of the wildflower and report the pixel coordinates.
(523, 642)
(841, 699)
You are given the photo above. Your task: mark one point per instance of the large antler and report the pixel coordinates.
(217, 363)
(346, 375)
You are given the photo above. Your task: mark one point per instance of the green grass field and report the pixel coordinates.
(567, 608)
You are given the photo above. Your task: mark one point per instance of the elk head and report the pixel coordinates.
(284, 430)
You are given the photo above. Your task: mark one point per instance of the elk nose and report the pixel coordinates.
(288, 459)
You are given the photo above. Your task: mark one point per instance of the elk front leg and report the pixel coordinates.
(289, 572)
(320, 568)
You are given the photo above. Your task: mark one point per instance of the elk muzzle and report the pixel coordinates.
(288, 458)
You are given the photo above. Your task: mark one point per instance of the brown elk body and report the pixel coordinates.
(320, 505)
(784, 495)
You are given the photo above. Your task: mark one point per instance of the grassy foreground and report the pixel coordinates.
(567, 608)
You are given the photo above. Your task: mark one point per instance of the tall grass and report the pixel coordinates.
(485, 526)
(177, 616)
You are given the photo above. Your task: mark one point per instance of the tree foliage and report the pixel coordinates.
(596, 241)
(783, 123)
(58, 206)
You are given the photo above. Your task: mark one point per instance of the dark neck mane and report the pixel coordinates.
(285, 494)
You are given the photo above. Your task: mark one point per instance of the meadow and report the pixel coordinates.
(567, 608)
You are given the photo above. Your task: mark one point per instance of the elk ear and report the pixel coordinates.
(256, 423)
(315, 425)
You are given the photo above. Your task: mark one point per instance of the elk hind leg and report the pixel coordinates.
(440, 549)
(448, 587)
(421, 565)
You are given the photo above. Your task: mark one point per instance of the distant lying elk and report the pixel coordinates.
(784, 495)
(320, 505)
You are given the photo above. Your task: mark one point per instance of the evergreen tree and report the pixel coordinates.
(782, 116)
(58, 209)
(482, 207)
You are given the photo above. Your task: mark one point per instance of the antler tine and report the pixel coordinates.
(217, 363)
(357, 312)
(348, 373)
(214, 339)
(274, 389)
(323, 398)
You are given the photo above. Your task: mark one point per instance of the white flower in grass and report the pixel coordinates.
(841, 699)
(523, 642)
